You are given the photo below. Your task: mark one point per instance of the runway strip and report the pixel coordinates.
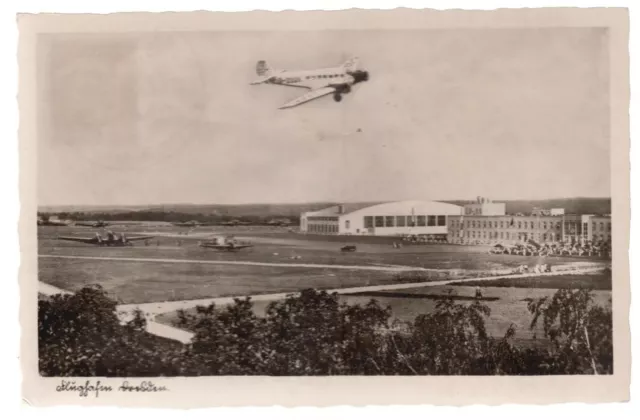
(246, 263)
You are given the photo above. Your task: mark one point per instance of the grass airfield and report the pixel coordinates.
(132, 282)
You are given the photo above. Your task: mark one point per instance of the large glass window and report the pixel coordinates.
(379, 221)
(411, 221)
(431, 221)
(422, 220)
(347, 224)
(388, 221)
(401, 221)
(368, 222)
(442, 220)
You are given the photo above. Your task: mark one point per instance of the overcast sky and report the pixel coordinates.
(446, 114)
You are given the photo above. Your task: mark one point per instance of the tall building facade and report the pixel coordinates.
(484, 223)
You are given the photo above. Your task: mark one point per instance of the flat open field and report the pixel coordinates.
(153, 281)
(273, 245)
(138, 282)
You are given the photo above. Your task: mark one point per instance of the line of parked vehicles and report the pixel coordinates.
(533, 248)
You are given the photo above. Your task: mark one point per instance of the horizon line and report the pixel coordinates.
(336, 202)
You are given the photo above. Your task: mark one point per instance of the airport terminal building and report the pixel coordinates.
(386, 219)
(486, 222)
(482, 222)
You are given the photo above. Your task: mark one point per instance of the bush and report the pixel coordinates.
(312, 333)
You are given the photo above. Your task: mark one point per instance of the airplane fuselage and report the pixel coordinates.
(114, 243)
(228, 247)
(311, 78)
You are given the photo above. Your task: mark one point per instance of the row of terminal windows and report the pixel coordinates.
(503, 235)
(523, 225)
(504, 224)
(403, 221)
(601, 226)
(313, 228)
(322, 219)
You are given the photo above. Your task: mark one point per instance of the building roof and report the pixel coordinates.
(335, 210)
(416, 207)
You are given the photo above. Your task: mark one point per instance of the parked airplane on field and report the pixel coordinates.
(191, 223)
(110, 239)
(321, 82)
(96, 224)
(235, 223)
(54, 222)
(279, 223)
(225, 244)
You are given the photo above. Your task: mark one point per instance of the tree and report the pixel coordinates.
(81, 335)
(580, 332)
(314, 333)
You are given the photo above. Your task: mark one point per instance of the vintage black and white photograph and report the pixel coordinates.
(325, 202)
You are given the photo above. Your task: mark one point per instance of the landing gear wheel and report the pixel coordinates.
(337, 97)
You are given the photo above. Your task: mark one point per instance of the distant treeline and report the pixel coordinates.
(161, 216)
(256, 213)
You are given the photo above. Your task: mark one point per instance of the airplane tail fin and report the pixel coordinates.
(351, 64)
(263, 69)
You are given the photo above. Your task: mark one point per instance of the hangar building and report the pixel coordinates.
(385, 219)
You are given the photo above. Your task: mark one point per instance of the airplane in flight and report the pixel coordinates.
(110, 239)
(96, 224)
(335, 80)
(225, 244)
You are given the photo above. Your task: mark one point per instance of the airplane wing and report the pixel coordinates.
(309, 96)
(262, 80)
(83, 240)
